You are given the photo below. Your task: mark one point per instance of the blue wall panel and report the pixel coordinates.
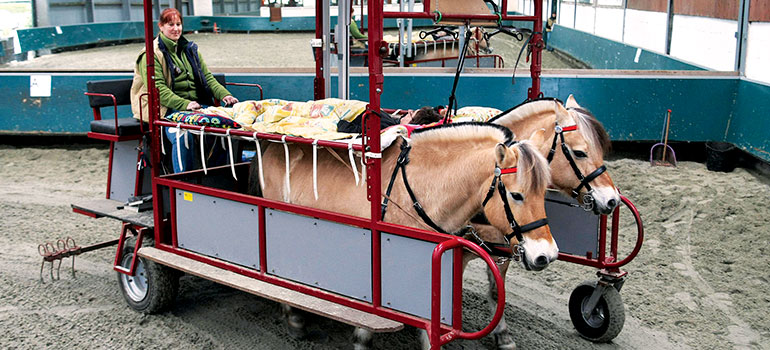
(630, 107)
(750, 124)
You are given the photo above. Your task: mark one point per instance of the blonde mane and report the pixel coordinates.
(462, 133)
(534, 168)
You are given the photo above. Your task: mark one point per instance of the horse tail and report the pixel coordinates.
(530, 160)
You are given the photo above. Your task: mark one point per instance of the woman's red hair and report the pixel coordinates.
(169, 15)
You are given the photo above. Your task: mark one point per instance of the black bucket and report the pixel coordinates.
(721, 156)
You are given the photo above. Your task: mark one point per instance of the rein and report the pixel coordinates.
(584, 180)
(497, 184)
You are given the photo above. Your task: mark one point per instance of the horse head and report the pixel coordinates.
(517, 204)
(586, 144)
(574, 143)
(479, 41)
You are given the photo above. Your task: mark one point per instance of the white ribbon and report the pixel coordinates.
(352, 160)
(287, 180)
(162, 148)
(315, 168)
(259, 163)
(203, 153)
(230, 153)
(179, 147)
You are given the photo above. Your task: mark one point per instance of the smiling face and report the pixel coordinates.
(170, 24)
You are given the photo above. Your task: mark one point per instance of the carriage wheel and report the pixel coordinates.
(606, 319)
(153, 287)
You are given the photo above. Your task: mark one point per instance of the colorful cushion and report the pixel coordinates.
(202, 119)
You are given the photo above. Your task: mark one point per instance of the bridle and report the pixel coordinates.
(587, 198)
(497, 183)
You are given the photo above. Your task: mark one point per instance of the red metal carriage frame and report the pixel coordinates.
(165, 230)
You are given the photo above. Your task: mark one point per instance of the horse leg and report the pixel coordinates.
(295, 321)
(362, 339)
(503, 338)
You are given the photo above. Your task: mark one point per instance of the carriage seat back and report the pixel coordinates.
(120, 89)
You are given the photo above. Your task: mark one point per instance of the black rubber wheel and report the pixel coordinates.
(153, 288)
(605, 321)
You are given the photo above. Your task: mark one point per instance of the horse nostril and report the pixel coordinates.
(541, 261)
(612, 203)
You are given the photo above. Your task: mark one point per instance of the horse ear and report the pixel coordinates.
(537, 137)
(571, 103)
(503, 156)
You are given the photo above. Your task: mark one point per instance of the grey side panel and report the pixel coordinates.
(217, 227)
(123, 177)
(575, 230)
(406, 277)
(328, 255)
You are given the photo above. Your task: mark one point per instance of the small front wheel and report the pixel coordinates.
(153, 287)
(605, 321)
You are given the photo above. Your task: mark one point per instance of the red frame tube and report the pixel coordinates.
(440, 333)
(611, 262)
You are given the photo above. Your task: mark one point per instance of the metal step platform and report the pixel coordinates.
(279, 294)
(98, 208)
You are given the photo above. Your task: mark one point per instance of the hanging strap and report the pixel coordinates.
(259, 162)
(203, 154)
(230, 152)
(287, 179)
(452, 106)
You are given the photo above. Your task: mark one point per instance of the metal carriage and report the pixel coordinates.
(203, 223)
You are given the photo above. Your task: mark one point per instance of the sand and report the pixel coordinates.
(701, 280)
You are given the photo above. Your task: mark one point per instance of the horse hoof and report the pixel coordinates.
(295, 326)
(504, 342)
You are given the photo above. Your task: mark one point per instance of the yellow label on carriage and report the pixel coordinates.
(188, 196)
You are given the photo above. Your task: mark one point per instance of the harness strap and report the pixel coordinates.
(588, 179)
(417, 207)
(452, 106)
(403, 158)
(517, 231)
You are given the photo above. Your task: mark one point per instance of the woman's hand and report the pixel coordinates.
(229, 100)
(193, 106)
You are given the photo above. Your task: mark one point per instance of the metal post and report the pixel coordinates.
(401, 39)
(742, 37)
(537, 51)
(670, 26)
(409, 30)
(623, 32)
(326, 25)
(90, 11)
(343, 49)
(574, 15)
(125, 9)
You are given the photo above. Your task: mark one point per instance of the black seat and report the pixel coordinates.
(121, 90)
(126, 126)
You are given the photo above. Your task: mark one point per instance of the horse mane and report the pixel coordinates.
(520, 105)
(455, 132)
(597, 136)
(532, 162)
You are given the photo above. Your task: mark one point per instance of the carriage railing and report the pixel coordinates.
(444, 242)
(610, 260)
(498, 61)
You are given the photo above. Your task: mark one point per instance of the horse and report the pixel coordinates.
(475, 154)
(574, 143)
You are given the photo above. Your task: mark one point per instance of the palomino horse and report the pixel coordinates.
(449, 170)
(574, 142)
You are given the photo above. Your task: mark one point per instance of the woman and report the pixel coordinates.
(185, 84)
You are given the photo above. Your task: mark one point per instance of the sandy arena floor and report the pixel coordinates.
(701, 280)
(255, 50)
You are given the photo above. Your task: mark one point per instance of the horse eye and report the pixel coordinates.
(580, 154)
(517, 196)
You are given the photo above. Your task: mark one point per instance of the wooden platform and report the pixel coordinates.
(109, 208)
(296, 299)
